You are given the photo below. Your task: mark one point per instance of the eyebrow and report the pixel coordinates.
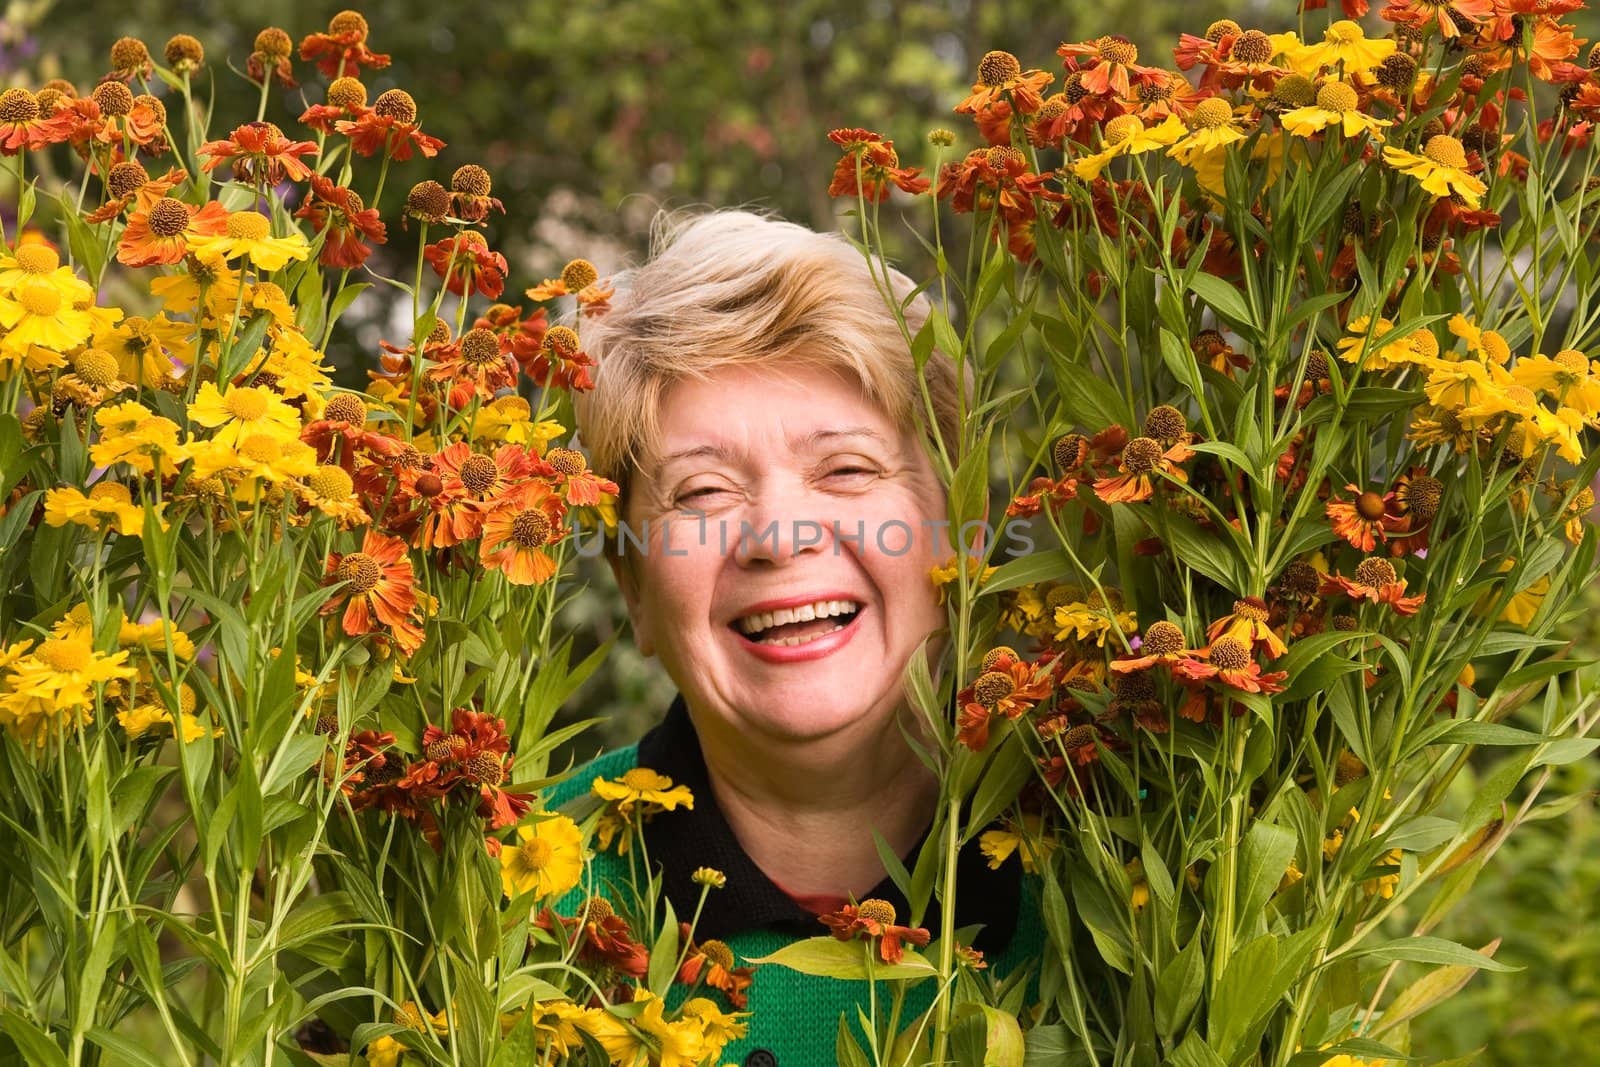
(721, 451)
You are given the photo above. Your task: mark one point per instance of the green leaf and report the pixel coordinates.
(1028, 570)
(1009, 770)
(846, 1052)
(1242, 995)
(36, 1046)
(125, 1049)
(1428, 991)
(1266, 853)
(828, 957)
(1194, 1052)
(1224, 298)
(1487, 733)
(1179, 987)
(1424, 949)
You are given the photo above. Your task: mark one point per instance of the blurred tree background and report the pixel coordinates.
(591, 117)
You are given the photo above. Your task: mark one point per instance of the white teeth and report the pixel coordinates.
(821, 609)
(790, 641)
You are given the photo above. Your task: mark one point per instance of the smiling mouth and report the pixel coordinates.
(797, 626)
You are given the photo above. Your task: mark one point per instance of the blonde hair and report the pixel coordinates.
(733, 288)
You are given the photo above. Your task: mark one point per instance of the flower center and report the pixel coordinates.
(96, 367)
(998, 653)
(18, 107)
(1423, 496)
(471, 179)
(480, 347)
(1114, 48)
(1141, 455)
(1375, 572)
(530, 529)
(396, 104)
(1370, 506)
(1155, 90)
(1002, 158)
(1212, 113)
(879, 911)
(39, 298)
(562, 340)
(1080, 736)
(478, 473)
(35, 258)
(260, 448)
(1073, 89)
(1252, 608)
(1397, 71)
(1230, 654)
(68, 657)
(1068, 451)
(428, 485)
(718, 953)
(1122, 128)
(346, 407)
(535, 854)
(1220, 29)
(1165, 423)
(997, 68)
(1294, 90)
(1568, 359)
(113, 98)
(1337, 97)
(1163, 638)
(361, 571)
(112, 492)
(486, 767)
(566, 461)
(639, 778)
(1252, 46)
(578, 275)
(1446, 151)
(331, 483)
(248, 226)
(246, 403)
(274, 43)
(1521, 396)
(1343, 32)
(347, 93)
(993, 687)
(348, 22)
(168, 217)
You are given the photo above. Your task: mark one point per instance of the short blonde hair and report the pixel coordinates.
(733, 288)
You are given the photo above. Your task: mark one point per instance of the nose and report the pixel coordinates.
(778, 527)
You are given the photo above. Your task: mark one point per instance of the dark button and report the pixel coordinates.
(761, 1058)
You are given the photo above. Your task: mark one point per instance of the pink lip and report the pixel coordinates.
(817, 649)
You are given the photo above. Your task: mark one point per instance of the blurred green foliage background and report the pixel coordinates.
(591, 117)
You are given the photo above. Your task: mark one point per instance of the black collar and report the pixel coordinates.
(683, 840)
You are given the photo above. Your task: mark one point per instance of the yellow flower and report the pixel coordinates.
(249, 234)
(622, 1045)
(1343, 42)
(1523, 606)
(680, 1043)
(146, 348)
(1337, 105)
(155, 637)
(53, 687)
(1214, 128)
(510, 419)
(209, 273)
(1025, 840)
(945, 573)
(546, 860)
(1568, 376)
(244, 409)
(133, 434)
(1139, 888)
(1385, 349)
(108, 505)
(38, 314)
(384, 1052)
(145, 718)
(555, 1025)
(1093, 618)
(1441, 168)
(1385, 884)
(1022, 610)
(1126, 135)
(644, 788)
(1487, 345)
(257, 456)
(295, 362)
(35, 261)
(717, 1027)
(331, 491)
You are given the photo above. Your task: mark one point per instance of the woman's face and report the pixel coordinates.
(790, 530)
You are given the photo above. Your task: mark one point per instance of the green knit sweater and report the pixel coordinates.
(794, 1017)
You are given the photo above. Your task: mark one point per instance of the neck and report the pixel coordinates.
(805, 812)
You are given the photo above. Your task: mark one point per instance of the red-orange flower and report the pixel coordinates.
(380, 589)
(23, 125)
(874, 920)
(141, 196)
(465, 262)
(261, 154)
(1375, 581)
(1142, 459)
(1443, 13)
(1009, 686)
(477, 365)
(1249, 624)
(1230, 662)
(342, 51)
(345, 222)
(577, 484)
(516, 532)
(1367, 519)
(1001, 79)
(713, 963)
(161, 233)
(1112, 59)
(478, 482)
(560, 362)
(389, 126)
(603, 936)
(869, 166)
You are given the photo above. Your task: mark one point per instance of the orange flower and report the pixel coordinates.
(261, 155)
(1008, 686)
(1248, 624)
(1418, 13)
(1001, 79)
(390, 126)
(161, 234)
(713, 963)
(1163, 645)
(868, 167)
(1375, 580)
(479, 482)
(515, 534)
(1368, 519)
(477, 365)
(603, 936)
(22, 125)
(344, 220)
(874, 920)
(379, 583)
(144, 191)
(465, 262)
(1113, 59)
(342, 51)
(578, 484)
(270, 58)
(1142, 459)
(1229, 661)
(560, 362)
